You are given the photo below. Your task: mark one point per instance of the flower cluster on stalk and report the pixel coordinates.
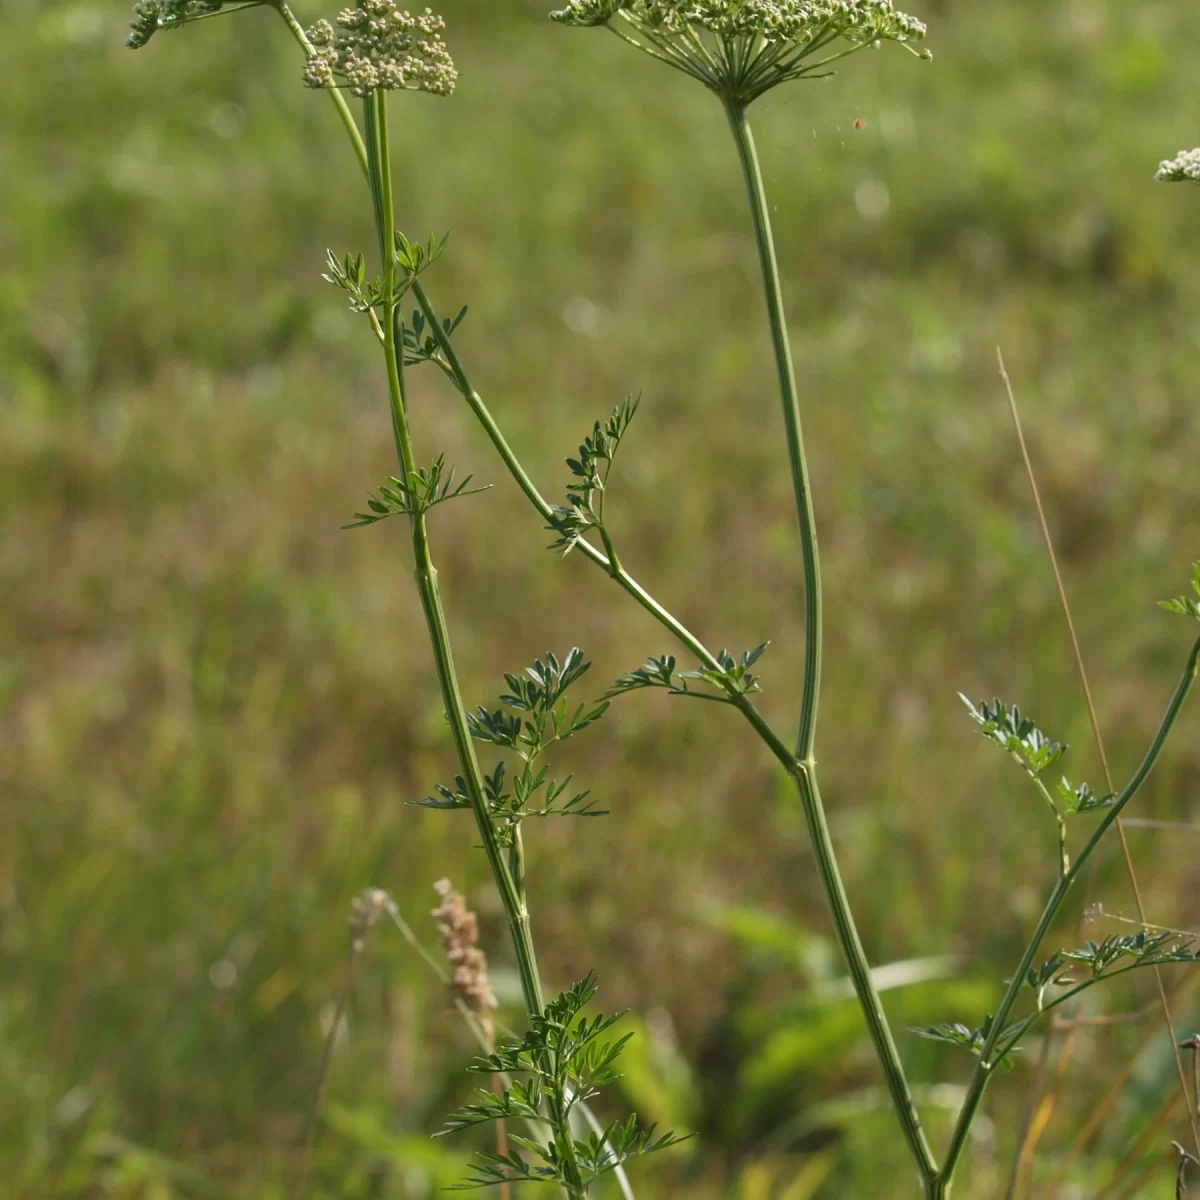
(742, 48)
(1183, 168)
(381, 46)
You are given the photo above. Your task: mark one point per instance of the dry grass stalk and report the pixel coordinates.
(365, 913)
(469, 980)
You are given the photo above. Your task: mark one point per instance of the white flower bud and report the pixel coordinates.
(1184, 168)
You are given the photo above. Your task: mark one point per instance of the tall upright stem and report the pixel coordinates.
(860, 973)
(742, 136)
(804, 767)
(512, 897)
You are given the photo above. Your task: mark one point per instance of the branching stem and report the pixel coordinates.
(508, 875)
(800, 764)
(764, 239)
(512, 897)
(801, 769)
(985, 1067)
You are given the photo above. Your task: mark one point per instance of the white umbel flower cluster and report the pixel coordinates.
(742, 48)
(1183, 168)
(775, 20)
(379, 45)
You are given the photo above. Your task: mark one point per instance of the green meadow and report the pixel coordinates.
(215, 702)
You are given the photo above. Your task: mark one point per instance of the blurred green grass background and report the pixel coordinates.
(214, 703)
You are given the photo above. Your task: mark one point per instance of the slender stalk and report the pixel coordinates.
(372, 152)
(509, 883)
(512, 898)
(985, 1066)
(487, 1045)
(860, 973)
(1169, 719)
(804, 771)
(804, 777)
(765, 241)
(373, 156)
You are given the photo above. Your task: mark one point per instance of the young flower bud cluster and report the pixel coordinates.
(1184, 168)
(378, 45)
(742, 48)
(460, 940)
(149, 16)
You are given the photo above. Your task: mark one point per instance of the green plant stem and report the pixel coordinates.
(487, 1044)
(800, 766)
(744, 139)
(804, 777)
(985, 1066)
(513, 899)
(805, 770)
(374, 159)
(510, 886)
(802, 774)
(1064, 859)
(609, 564)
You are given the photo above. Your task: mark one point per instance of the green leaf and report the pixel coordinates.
(422, 490)
(954, 1033)
(1137, 949)
(589, 478)
(563, 1057)
(1184, 605)
(1082, 799)
(657, 672)
(733, 678)
(459, 798)
(1011, 730)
